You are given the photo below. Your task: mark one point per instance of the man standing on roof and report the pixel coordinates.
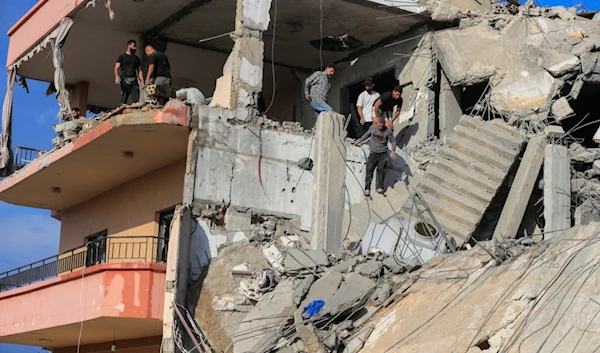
(316, 88)
(127, 71)
(365, 102)
(385, 105)
(159, 69)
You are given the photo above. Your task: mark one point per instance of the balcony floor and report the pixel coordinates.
(96, 161)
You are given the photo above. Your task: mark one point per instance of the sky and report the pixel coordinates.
(26, 234)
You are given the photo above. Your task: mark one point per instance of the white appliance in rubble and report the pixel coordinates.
(406, 240)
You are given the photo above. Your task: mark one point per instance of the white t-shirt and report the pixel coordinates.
(366, 101)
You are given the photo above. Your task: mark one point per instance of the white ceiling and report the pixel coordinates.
(95, 42)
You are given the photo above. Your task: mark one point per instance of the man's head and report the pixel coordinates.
(76, 113)
(149, 50)
(329, 70)
(131, 46)
(369, 84)
(380, 122)
(397, 92)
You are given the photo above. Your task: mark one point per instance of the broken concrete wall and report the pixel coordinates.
(229, 169)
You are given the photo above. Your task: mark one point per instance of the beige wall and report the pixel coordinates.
(129, 209)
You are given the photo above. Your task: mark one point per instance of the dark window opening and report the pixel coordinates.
(384, 82)
(164, 231)
(586, 110)
(96, 249)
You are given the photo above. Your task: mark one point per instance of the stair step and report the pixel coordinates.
(450, 211)
(469, 172)
(478, 153)
(474, 205)
(501, 124)
(485, 142)
(514, 141)
(459, 185)
(452, 197)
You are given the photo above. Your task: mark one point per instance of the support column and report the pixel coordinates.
(557, 189)
(79, 96)
(449, 109)
(328, 184)
(243, 72)
(520, 191)
(176, 278)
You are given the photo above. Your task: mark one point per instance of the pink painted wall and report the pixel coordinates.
(109, 290)
(37, 23)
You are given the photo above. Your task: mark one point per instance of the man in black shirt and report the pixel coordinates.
(127, 71)
(159, 69)
(385, 105)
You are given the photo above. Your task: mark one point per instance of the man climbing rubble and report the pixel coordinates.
(365, 102)
(159, 70)
(127, 72)
(380, 136)
(385, 105)
(316, 88)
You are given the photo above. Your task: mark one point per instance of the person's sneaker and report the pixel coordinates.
(367, 192)
(380, 190)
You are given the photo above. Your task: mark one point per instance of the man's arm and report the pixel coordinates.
(392, 141)
(364, 137)
(310, 80)
(150, 71)
(140, 74)
(396, 114)
(359, 108)
(378, 104)
(117, 67)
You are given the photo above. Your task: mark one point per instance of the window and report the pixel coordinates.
(165, 219)
(96, 249)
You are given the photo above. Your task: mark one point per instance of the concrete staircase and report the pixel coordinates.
(466, 174)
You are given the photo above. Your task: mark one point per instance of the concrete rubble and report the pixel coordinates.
(488, 215)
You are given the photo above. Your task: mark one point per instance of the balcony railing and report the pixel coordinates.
(25, 155)
(105, 250)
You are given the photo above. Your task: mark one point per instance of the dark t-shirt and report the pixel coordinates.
(162, 67)
(388, 102)
(129, 64)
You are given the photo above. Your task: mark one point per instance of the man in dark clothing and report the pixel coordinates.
(385, 105)
(76, 113)
(159, 69)
(378, 145)
(127, 71)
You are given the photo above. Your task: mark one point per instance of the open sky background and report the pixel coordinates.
(27, 234)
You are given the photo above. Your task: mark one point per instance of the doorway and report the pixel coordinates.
(96, 249)
(384, 82)
(165, 219)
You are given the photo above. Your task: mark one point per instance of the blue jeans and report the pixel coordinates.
(319, 105)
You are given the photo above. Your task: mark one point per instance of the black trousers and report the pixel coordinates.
(379, 161)
(130, 90)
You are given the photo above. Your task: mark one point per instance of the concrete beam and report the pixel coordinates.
(557, 189)
(176, 17)
(328, 184)
(449, 108)
(520, 192)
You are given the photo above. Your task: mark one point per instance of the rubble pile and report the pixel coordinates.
(289, 299)
(69, 130)
(585, 183)
(424, 151)
(289, 127)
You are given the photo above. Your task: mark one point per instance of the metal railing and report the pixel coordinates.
(25, 155)
(105, 250)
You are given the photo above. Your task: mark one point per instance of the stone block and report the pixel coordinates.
(353, 292)
(345, 266)
(554, 131)
(235, 220)
(372, 269)
(297, 260)
(557, 189)
(302, 288)
(561, 109)
(323, 288)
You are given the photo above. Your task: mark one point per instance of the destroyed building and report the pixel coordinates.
(201, 225)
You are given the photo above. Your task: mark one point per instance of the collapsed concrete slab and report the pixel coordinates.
(557, 189)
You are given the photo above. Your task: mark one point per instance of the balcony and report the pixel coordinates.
(110, 152)
(112, 283)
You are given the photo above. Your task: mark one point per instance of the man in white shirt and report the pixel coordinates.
(365, 103)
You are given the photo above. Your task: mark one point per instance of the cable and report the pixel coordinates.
(321, 35)
(273, 60)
